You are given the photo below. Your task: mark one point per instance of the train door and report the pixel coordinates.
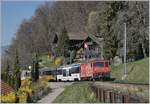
(59, 75)
(66, 74)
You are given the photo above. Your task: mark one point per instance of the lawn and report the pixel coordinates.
(78, 92)
(81, 92)
(47, 62)
(138, 71)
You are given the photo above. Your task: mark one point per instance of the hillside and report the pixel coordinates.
(78, 92)
(138, 71)
(47, 62)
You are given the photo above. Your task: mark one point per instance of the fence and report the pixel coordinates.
(110, 96)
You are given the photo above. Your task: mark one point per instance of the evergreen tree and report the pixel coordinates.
(140, 53)
(17, 74)
(105, 28)
(63, 44)
(5, 74)
(35, 68)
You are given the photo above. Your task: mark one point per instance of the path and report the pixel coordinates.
(57, 88)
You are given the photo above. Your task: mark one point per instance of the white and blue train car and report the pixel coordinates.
(69, 73)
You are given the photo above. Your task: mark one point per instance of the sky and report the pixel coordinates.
(13, 13)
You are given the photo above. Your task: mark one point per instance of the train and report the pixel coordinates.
(95, 70)
(48, 74)
(89, 70)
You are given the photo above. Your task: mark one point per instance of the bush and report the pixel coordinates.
(26, 82)
(40, 89)
(22, 96)
(28, 92)
(9, 98)
(58, 61)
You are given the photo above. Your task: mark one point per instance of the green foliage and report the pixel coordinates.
(12, 81)
(72, 56)
(110, 39)
(5, 74)
(63, 44)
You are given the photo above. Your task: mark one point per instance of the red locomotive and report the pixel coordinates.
(95, 69)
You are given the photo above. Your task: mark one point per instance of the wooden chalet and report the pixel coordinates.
(77, 42)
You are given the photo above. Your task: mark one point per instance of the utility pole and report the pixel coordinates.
(125, 51)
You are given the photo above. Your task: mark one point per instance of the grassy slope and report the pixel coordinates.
(47, 62)
(138, 71)
(79, 92)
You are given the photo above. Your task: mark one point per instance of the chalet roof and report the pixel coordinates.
(77, 36)
(5, 88)
(95, 39)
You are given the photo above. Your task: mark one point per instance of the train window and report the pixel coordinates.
(98, 64)
(47, 73)
(75, 70)
(64, 72)
(59, 72)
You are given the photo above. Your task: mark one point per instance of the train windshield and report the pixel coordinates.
(75, 70)
(106, 64)
(66, 72)
(98, 64)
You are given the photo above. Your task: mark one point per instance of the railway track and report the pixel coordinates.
(121, 92)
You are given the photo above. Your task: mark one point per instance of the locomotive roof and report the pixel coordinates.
(93, 60)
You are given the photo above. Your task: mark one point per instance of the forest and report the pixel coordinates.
(103, 18)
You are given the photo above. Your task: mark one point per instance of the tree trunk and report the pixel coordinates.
(143, 49)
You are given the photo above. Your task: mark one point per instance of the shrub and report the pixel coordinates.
(22, 97)
(9, 98)
(28, 92)
(26, 82)
(58, 61)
